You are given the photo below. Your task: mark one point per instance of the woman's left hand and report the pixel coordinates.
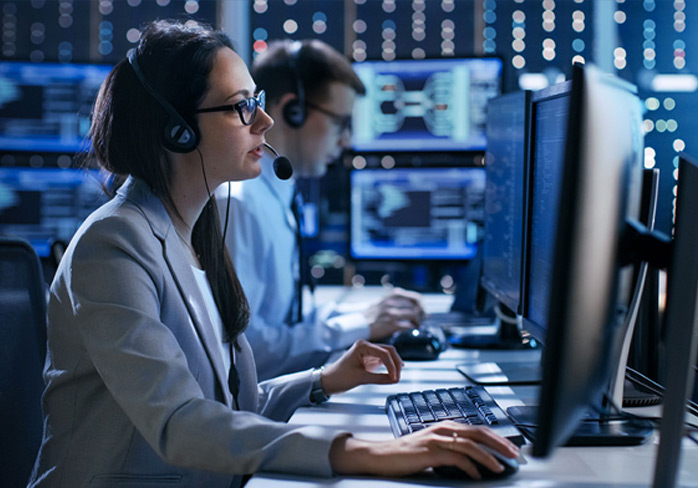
(357, 365)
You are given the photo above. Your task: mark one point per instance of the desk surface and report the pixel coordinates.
(362, 412)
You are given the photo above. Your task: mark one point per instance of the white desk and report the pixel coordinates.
(361, 411)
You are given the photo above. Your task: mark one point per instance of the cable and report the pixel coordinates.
(208, 192)
(654, 387)
(693, 438)
(621, 415)
(644, 381)
(227, 216)
(654, 420)
(629, 415)
(504, 317)
(203, 172)
(645, 384)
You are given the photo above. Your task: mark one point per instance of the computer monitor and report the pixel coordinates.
(425, 105)
(506, 158)
(580, 312)
(681, 324)
(47, 205)
(528, 200)
(45, 107)
(416, 213)
(549, 125)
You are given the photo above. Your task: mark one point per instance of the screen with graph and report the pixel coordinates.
(416, 213)
(425, 105)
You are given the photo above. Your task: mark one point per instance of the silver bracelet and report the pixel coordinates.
(317, 394)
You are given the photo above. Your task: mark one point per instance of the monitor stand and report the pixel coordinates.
(635, 396)
(529, 373)
(501, 333)
(590, 432)
(477, 320)
(514, 373)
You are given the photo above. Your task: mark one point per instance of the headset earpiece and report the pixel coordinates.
(295, 111)
(178, 135)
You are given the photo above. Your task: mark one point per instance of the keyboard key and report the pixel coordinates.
(420, 404)
(408, 410)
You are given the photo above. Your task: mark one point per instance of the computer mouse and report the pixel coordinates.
(511, 466)
(417, 344)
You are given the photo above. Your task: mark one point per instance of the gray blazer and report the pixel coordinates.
(136, 390)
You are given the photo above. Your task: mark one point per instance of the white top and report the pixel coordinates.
(214, 315)
(261, 240)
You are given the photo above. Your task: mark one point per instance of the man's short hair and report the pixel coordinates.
(316, 64)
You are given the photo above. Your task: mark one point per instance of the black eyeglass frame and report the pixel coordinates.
(342, 121)
(255, 102)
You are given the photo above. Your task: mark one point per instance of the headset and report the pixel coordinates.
(178, 135)
(295, 111)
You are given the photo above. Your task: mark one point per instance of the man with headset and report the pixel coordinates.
(310, 91)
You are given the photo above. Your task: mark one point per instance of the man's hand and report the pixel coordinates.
(401, 309)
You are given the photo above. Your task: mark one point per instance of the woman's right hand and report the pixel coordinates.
(442, 444)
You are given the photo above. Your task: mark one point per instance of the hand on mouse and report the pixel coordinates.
(357, 365)
(431, 447)
(399, 310)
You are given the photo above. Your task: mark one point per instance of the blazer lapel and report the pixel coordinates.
(138, 192)
(188, 288)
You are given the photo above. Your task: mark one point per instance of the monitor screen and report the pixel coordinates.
(425, 105)
(45, 107)
(505, 165)
(599, 189)
(416, 213)
(549, 112)
(47, 204)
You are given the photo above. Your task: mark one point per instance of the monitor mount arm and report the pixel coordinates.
(641, 244)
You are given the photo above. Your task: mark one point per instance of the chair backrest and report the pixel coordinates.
(22, 354)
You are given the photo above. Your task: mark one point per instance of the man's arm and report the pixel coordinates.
(261, 246)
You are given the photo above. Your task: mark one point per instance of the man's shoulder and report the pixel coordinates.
(251, 190)
(248, 207)
(242, 193)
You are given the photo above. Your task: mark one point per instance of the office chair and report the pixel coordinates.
(22, 353)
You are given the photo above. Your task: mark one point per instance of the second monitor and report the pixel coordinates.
(425, 105)
(416, 213)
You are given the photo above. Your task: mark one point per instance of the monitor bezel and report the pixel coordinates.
(562, 89)
(490, 285)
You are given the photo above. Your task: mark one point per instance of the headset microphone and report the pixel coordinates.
(282, 166)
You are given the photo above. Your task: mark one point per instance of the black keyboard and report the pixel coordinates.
(410, 412)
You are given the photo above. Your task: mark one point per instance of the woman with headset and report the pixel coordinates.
(150, 380)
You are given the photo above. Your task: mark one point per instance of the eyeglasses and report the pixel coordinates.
(343, 122)
(246, 109)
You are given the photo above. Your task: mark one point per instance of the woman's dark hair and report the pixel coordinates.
(127, 137)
